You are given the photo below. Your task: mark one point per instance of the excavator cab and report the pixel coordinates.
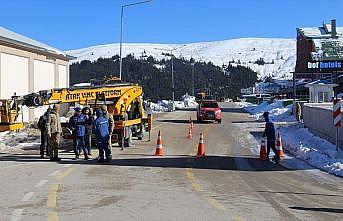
(9, 112)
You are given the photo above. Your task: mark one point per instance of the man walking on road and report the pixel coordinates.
(77, 123)
(44, 147)
(269, 132)
(102, 136)
(54, 130)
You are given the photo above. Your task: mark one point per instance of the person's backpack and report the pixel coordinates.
(42, 122)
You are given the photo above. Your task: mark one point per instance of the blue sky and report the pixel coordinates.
(71, 24)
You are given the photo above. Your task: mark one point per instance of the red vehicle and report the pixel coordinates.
(209, 110)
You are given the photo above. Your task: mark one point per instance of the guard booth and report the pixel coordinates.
(321, 91)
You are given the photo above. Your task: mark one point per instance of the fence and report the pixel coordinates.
(318, 118)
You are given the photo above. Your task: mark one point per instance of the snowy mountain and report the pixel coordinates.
(279, 54)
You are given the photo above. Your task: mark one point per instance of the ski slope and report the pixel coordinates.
(244, 51)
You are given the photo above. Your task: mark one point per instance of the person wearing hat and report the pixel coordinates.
(269, 132)
(77, 123)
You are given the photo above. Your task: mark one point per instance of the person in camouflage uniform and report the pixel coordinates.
(54, 130)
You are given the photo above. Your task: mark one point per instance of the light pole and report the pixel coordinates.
(171, 55)
(193, 67)
(121, 32)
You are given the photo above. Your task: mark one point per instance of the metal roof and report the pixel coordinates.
(15, 38)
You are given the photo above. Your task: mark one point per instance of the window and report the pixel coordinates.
(323, 97)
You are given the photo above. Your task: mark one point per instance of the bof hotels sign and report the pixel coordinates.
(325, 65)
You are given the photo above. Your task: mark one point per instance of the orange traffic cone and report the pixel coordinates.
(159, 148)
(201, 147)
(279, 146)
(189, 133)
(191, 122)
(263, 152)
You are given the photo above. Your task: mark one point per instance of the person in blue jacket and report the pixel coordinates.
(77, 123)
(102, 135)
(269, 132)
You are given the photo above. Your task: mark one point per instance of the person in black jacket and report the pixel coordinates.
(269, 132)
(89, 128)
(44, 147)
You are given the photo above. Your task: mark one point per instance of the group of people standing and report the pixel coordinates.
(82, 124)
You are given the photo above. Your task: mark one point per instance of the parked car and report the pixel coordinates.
(209, 110)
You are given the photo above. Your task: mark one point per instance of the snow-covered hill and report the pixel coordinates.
(280, 52)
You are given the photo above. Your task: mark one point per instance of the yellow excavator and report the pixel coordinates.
(123, 100)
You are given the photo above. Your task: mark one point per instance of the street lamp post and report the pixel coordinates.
(171, 55)
(193, 67)
(121, 32)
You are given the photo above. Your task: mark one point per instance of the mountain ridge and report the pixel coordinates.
(278, 54)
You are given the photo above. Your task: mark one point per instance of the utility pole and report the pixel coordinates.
(172, 75)
(193, 70)
(171, 55)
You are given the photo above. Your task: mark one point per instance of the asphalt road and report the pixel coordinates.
(229, 184)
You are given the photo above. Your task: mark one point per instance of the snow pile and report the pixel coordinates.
(160, 106)
(277, 110)
(27, 137)
(245, 105)
(187, 103)
(314, 150)
(279, 54)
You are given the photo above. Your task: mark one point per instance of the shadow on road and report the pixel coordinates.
(233, 110)
(181, 121)
(209, 162)
(328, 210)
(300, 193)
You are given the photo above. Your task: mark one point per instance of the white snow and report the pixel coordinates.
(86, 84)
(14, 141)
(244, 51)
(296, 139)
(314, 150)
(277, 110)
(187, 103)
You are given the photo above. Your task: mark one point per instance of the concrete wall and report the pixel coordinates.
(25, 72)
(319, 120)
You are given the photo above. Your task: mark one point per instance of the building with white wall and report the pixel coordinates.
(321, 91)
(28, 66)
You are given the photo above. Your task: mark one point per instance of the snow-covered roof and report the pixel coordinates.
(321, 82)
(320, 32)
(15, 38)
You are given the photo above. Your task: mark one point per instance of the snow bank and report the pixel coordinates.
(314, 150)
(187, 103)
(12, 141)
(160, 106)
(277, 111)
